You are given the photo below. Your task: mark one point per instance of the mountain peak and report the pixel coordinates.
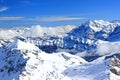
(20, 45)
(98, 25)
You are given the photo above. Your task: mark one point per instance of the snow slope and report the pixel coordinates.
(24, 61)
(48, 66)
(19, 45)
(99, 69)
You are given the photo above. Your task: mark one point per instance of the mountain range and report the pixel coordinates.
(86, 52)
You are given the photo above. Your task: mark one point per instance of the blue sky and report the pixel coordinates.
(56, 12)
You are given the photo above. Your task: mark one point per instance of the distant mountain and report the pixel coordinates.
(86, 37)
(72, 39)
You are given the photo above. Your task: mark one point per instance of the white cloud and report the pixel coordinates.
(3, 9)
(36, 31)
(105, 47)
(7, 34)
(39, 31)
(10, 18)
(53, 19)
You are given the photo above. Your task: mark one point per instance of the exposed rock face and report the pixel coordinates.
(115, 65)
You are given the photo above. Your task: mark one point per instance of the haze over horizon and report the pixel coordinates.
(15, 13)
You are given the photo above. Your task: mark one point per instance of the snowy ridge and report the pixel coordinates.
(48, 66)
(19, 45)
(86, 37)
(28, 65)
(99, 69)
(24, 64)
(98, 25)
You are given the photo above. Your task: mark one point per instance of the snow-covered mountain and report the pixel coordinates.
(87, 52)
(99, 69)
(86, 36)
(68, 38)
(24, 61)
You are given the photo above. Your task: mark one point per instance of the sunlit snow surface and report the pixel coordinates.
(57, 66)
(24, 60)
(39, 65)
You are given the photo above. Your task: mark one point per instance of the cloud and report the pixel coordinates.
(3, 9)
(53, 19)
(105, 48)
(10, 18)
(39, 31)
